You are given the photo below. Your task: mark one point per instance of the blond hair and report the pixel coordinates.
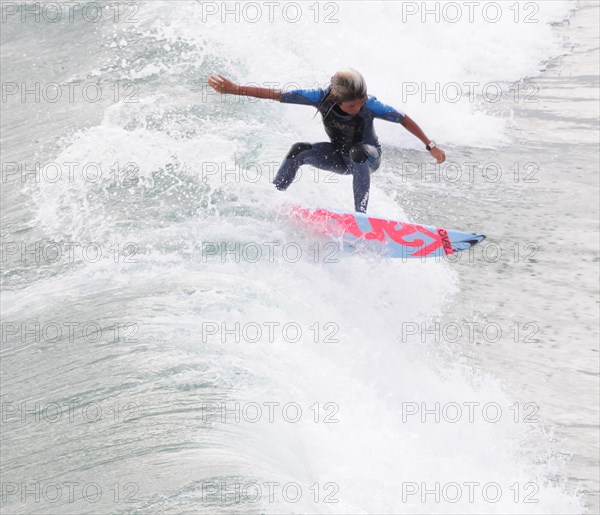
(347, 84)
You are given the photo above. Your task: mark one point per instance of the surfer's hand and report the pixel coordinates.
(222, 85)
(439, 154)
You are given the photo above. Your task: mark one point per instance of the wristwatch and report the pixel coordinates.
(430, 145)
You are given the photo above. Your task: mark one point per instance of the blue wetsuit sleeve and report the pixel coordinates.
(311, 97)
(384, 111)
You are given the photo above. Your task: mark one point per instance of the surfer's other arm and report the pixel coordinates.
(226, 87)
(411, 126)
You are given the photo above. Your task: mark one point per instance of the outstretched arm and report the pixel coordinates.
(411, 126)
(226, 87)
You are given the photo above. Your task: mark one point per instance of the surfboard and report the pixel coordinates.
(392, 238)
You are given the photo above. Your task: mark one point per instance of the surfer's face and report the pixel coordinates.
(352, 106)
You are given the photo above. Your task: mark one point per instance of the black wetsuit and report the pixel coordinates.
(353, 147)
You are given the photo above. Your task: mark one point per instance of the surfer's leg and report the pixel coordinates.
(363, 161)
(326, 157)
(319, 155)
(288, 169)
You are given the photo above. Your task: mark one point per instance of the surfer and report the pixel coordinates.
(348, 114)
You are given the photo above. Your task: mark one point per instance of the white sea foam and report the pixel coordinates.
(369, 369)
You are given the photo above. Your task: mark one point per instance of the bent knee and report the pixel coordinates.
(361, 153)
(358, 153)
(297, 148)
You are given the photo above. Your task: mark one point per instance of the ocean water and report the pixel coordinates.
(172, 344)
